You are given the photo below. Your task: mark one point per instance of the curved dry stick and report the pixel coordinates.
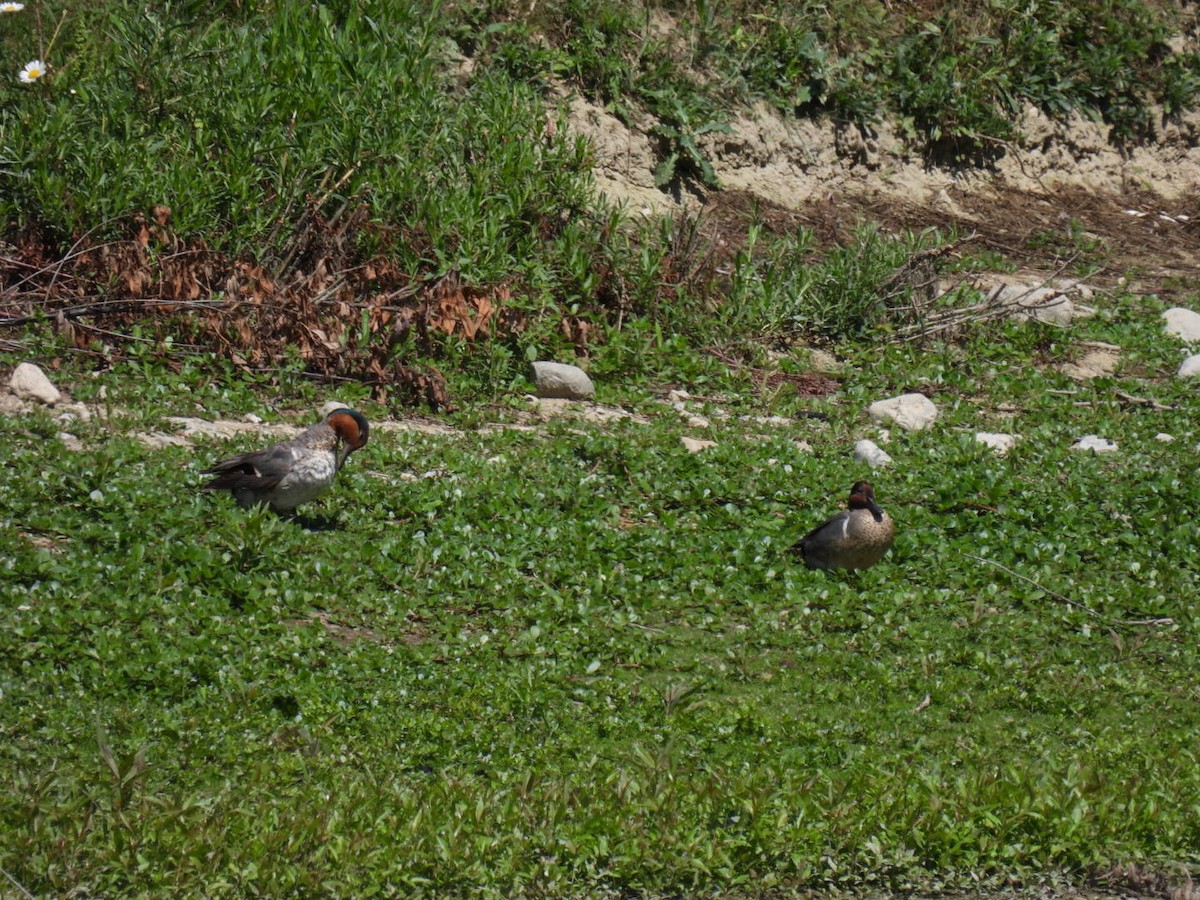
(1087, 609)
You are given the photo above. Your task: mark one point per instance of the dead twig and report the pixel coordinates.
(926, 323)
(1153, 623)
(20, 887)
(111, 307)
(1143, 401)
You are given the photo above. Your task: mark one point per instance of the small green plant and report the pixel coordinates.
(678, 128)
(790, 64)
(1075, 245)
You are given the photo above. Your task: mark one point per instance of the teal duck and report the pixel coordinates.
(285, 475)
(855, 538)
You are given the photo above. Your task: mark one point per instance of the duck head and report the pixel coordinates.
(351, 428)
(862, 496)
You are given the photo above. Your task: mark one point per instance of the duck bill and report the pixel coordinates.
(343, 453)
(875, 509)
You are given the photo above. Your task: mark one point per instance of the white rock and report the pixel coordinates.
(602, 415)
(11, 405)
(554, 408)
(193, 427)
(823, 362)
(257, 420)
(698, 422)
(912, 412)
(69, 441)
(562, 381)
(692, 445)
(69, 412)
(30, 383)
(771, 421)
(999, 442)
(1183, 323)
(1189, 367)
(1050, 307)
(803, 446)
(160, 439)
(1164, 438)
(677, 396)
(549, 408)
(1095, 444)
(871, 453)
(326, 409)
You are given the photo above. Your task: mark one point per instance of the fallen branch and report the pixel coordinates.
(926, 323)
(109, 307)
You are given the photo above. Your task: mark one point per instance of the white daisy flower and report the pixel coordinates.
(11, 7)
(33, 70)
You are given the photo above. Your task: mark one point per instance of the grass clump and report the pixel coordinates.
(322, 205)
(321, 109)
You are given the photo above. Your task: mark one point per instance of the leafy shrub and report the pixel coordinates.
(951, 89)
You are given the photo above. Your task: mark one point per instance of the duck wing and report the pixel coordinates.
(831, 529)
(817, 544)
(260, 470)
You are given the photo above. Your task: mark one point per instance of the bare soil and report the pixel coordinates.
(1061, 188)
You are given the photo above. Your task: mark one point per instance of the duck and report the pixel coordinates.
(287, 474)
(855, 538)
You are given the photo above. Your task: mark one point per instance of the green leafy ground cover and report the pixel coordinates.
(579, 659)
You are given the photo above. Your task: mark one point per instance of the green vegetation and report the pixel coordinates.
(956, 74)
(576, 660)
(328, 160)
(582, 660)
(238, 117)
